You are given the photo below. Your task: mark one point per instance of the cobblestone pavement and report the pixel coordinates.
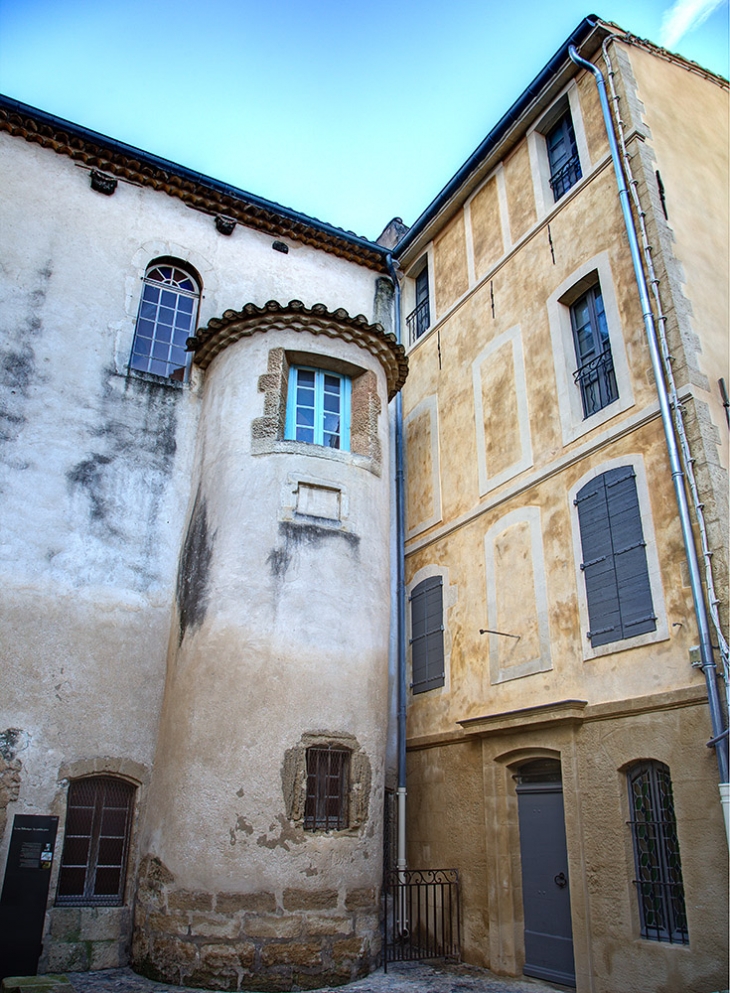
(402, 977)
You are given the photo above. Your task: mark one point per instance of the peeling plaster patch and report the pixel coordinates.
(12, 741)
(194, 570)
(288, 834)
(242, 826)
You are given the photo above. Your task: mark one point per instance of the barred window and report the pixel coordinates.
(166, 319)
(658, 881)
(96, 842)
(328, 779)
(595, 374)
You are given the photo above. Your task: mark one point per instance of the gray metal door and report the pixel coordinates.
(545, 890)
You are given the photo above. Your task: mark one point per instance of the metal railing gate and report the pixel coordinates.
(421, 915)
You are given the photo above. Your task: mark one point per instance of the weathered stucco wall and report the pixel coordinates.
(609, 953)
(96, 470)
(284, 644)
(497, 448)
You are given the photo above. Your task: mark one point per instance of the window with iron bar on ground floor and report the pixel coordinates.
(96, 842)
(328, 784)
(659, 885)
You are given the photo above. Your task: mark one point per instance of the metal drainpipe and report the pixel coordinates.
(401, 587)
(706, 654)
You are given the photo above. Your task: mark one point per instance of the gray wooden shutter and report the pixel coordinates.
(427, 635)
(614, 558)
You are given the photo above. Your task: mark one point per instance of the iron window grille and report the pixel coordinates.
(419, 319)
(565, 170)
(96, 842)
(328, 774)
(318, 408)
(659, 885)
(166, 319)
(427, 635)
(614, 567)
(595, 374)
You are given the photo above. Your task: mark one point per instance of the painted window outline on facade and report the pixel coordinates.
(660, 630)
(166, 318)
(428, 660)
(326, 806)
(96, 842)
(659, 884)
(318, 408)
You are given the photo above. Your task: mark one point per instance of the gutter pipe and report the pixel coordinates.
(401, 593)
(707, 661)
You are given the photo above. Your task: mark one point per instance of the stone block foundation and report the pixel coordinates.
(256, 941)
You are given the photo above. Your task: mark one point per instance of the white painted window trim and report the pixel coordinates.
(429, 404)
(537, 148)
(652, 562)
(525, 460)
(408, 299)
(572, 421)
(448, 599)
(531, 516)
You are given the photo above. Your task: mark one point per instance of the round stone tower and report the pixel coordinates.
(262, 843)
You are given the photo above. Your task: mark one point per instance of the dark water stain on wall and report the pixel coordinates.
(129, 468)
(194, 570)
(297, 535)
(18, 367)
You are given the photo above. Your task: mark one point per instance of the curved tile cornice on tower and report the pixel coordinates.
(220, 332)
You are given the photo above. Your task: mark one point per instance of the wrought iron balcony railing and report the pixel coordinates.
(597, 381)
(418, 321)
(566, 176)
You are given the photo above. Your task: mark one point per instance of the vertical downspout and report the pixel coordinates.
(707, 660)
(401, 590)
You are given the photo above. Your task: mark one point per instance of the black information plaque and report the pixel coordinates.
(25, 893)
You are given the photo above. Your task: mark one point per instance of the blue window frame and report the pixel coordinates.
(318, 408)
(166, 319)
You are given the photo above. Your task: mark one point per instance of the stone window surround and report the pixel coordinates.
(267, 432)
(408, 302)
(595, 271)
(294, 780)
(652, 561)
(127, 769)
(568, 101)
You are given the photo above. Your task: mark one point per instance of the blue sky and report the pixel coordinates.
(350, 112)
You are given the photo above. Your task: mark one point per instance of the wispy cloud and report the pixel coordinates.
(684, 16)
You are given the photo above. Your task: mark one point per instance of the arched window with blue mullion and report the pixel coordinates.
(318, 408)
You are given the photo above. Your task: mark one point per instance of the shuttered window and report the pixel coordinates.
(96, 841)
(614, 566)
(427, 635)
